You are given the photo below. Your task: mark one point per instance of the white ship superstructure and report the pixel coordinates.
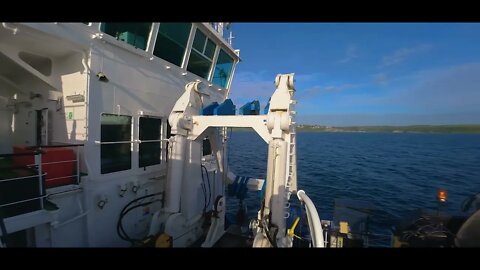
(114, 134)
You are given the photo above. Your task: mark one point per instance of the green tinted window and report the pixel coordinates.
(210, 49)
(171, 41)
(199, 41)
(198, 64)
(201, 55)
(117, 156)
(223, 69)
(135, 34)
(149, 152)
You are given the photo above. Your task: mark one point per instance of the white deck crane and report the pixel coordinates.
(277, 128)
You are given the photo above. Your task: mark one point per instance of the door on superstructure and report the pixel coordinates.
(41, 127)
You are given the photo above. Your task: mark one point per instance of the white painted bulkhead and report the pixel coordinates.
(138, 84)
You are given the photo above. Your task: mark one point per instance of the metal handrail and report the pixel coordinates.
(33, 153)
(37, 151)
(58, 162)
(116, 142)
(55, 145)
(22, 201)
(18, 178)
(134, 141)
(38, 165)
(77, 160)
(148, 141)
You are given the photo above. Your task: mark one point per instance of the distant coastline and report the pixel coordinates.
(395, 129)
(460, 129)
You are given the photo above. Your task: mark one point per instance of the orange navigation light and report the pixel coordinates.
(442, 195)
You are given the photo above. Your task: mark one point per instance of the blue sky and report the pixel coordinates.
(364, 73)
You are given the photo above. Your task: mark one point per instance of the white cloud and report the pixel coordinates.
(380, 78)
(308, 77)
(318, 89)
(248, 86)
(400, 55)
(448, 90)
(453, 89)
(350, 53)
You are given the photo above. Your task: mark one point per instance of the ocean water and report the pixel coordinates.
(397, 172)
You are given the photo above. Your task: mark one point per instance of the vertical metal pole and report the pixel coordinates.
(38, 160)
(325, 241)
(78, 164)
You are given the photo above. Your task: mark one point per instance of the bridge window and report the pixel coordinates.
(171, 42)
(223, 69)
(149, 135)
(201, 55)
(135, 34)
(115, 150)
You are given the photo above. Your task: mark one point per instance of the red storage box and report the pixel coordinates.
(66, 170)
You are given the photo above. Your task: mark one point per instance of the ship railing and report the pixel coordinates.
(39, 163)
(11, 188)
(16, 170)
(77, 173)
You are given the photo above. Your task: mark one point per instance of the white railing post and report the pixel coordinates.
(38, 160)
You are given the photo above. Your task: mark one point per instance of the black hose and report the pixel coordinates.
(120, 228)
(209, 187)
(273, 241)
(204, 192)
(120, 224)
(125, 210)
